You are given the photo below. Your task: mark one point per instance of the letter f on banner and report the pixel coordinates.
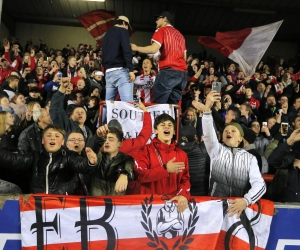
(40, 225)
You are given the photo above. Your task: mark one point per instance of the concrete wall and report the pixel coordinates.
(59, 36)
(4, 32)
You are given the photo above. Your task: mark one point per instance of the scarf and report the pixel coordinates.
(69, 71)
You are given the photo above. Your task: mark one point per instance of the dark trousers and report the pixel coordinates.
(168, 86)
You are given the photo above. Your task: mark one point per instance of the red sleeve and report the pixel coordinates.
(296, 76)
(185, 185)
(257, 104)
(132, 146)
(7, 56)
(32, 63)
(158, 37)
(146, 170)
(194, 79)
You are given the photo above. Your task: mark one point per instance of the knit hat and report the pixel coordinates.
(187, 136)
(238, 126)
(115, 124)
(249, 135)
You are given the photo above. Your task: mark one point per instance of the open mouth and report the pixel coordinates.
(76, 147)
(52, 143)
(228, 137)
(167, 132)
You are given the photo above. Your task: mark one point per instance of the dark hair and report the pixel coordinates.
(12, 78)
(296, 99)
(56, 128)
(73, 95)
(271, 95)
(194, 86)
(117, 132)
(163, 118)
(236, 113)
(120, 22)
(250, 123)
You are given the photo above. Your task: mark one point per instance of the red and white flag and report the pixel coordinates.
(245, 47)
(140, 222)
(97, 22)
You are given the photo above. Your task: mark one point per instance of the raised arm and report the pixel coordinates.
(57, 112)
(210, 138)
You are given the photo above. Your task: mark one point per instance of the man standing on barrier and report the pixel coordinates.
(171, 78)
(117, 61)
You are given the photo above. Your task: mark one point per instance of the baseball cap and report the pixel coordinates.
(31, 80)
(34, 90)
(124, 18)
(166, 14)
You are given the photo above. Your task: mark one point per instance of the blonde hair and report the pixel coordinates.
(189, 109)
(3, 122)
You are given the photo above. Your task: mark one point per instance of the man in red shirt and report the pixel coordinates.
(171, 78)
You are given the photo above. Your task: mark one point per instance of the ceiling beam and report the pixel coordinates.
(230, 6)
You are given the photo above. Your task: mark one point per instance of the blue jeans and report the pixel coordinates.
(9, 188)
(118, 81)
(168, 86)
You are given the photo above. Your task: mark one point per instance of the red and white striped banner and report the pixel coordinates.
(97, 22)
(140, 222)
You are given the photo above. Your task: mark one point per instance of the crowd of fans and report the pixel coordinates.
(51, 141)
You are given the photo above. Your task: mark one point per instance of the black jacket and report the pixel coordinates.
(116, 49)
(56, 173)
(283, 158)
(30, 140)
(15, 168)
(198, 166)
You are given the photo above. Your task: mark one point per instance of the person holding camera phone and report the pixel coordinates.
(228, 177)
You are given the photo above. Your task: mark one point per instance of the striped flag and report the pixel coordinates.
(140, 222)
(97, 22)
(245, 47)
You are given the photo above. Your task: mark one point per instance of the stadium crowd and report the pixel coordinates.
(233, 127)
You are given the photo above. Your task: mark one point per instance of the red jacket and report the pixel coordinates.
(132, 146)
(4, 74)
(154, 178)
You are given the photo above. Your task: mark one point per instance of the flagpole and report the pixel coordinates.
(1, 3)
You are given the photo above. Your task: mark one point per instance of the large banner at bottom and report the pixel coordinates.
(140, 222)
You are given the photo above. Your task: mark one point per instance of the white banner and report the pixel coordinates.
(131, 118)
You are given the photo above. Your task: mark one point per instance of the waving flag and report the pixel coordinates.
(140, 222)
(97, 22)
(245, 47)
